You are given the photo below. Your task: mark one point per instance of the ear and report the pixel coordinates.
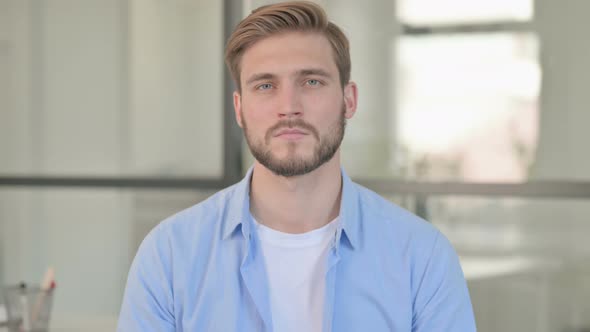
(350, 99)
(238, 108)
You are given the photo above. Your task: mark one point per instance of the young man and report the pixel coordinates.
(295, 246)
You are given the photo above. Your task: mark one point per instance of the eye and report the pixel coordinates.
(265, 86)
(313, 82)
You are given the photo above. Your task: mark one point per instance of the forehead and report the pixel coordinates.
(287, 53)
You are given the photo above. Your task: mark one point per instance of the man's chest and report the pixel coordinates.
(357, 297)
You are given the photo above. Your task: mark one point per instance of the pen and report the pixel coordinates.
(47, 285)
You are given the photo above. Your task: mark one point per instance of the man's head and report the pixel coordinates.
(291, 16)
(292, 69)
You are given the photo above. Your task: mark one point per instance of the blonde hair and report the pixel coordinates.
(291, 16)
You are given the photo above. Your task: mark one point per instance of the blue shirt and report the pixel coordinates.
(387, 270)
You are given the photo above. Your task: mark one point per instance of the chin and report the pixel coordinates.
(293, 158)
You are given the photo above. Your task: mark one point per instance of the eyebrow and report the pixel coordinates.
(260, 77)
(302, 72)
(314, 71)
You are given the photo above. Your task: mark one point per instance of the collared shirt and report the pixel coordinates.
(387, 270)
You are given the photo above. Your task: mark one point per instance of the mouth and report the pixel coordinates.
(291, 133)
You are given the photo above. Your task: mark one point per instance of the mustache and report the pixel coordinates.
(292, 123)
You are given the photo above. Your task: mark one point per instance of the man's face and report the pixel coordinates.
(292, 107)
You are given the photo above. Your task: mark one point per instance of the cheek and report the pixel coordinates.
(324, 112)
(256, 107)
(256, 117)
(325, 101)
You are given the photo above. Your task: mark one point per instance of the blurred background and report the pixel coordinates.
(473, 114)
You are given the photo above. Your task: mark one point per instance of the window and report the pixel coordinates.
(469, 113)
(463, 11)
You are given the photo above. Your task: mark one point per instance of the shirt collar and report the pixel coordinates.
(239, 210)
(238, 213)
(350, 217)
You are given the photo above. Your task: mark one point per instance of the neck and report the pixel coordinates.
(296, 204)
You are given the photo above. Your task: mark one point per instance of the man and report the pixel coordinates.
(295, 246)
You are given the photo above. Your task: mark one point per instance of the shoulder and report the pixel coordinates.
(390, 228)
(384, 216)
(201, 219)
(431, 260)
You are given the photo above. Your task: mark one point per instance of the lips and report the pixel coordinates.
(290, 132)
(292, 129)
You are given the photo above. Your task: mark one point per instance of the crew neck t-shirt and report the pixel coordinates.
(296, 270)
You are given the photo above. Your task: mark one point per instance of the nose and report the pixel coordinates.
(290, 104)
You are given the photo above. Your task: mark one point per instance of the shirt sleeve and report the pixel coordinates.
(148, 300)
(442, 300)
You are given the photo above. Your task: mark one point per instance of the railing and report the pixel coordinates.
(421, 191)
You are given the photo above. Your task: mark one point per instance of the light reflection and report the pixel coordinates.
(473, 105)
(455, 11)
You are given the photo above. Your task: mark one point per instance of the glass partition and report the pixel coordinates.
(526, 260)
(126, 89)
(89, 236)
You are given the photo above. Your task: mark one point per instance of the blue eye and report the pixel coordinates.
(313, 82)
(264, 86)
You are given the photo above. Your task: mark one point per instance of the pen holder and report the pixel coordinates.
(28, 308)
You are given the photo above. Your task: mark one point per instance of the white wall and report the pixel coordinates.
(16, 134)
(176, 95)
(563, 151)
(82, 74)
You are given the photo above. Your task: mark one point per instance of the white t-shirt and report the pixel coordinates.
(296, 269)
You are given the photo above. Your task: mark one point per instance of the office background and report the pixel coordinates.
(474, 114)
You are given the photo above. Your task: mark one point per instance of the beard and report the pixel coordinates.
(294, 164)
